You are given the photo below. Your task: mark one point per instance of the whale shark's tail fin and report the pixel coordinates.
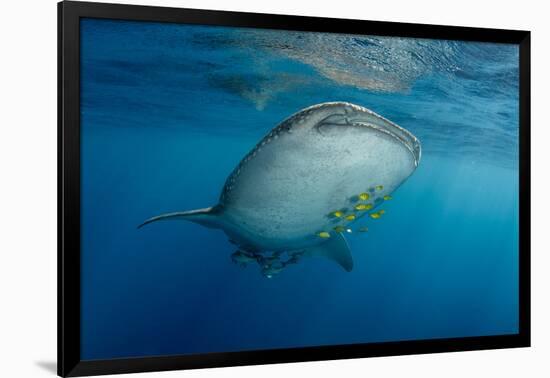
(335, 249)
(207, 217)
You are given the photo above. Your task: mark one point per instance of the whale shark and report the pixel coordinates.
(303, 185)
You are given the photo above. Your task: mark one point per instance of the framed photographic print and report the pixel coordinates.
(239, 188)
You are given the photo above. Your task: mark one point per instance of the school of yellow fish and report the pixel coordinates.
(360, 209)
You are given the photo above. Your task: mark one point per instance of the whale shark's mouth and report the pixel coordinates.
(353, 115)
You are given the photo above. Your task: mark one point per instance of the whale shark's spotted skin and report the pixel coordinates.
(285, 126)
(281, 195)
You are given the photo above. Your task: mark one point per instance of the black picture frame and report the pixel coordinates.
(69, 362)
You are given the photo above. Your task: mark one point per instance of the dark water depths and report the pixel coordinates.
(169, 110)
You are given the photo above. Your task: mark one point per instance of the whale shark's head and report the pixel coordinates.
(323, 118)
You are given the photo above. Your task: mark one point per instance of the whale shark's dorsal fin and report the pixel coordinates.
(207, 217)
(336, 249)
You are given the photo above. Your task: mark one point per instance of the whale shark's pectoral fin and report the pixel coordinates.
(208, 217)
(336, 249)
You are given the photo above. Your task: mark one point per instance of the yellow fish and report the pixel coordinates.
(350, 217)
(387, 197)
(337, 214)
(375, 215)
(382, 212)
(339, 229)
(323, 234)
(361, 206)
(368, 206)
(364, 196)
(379, 187)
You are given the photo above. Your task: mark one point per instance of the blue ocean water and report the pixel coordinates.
(167, 111)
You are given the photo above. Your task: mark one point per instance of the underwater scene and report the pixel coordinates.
(246, 189)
